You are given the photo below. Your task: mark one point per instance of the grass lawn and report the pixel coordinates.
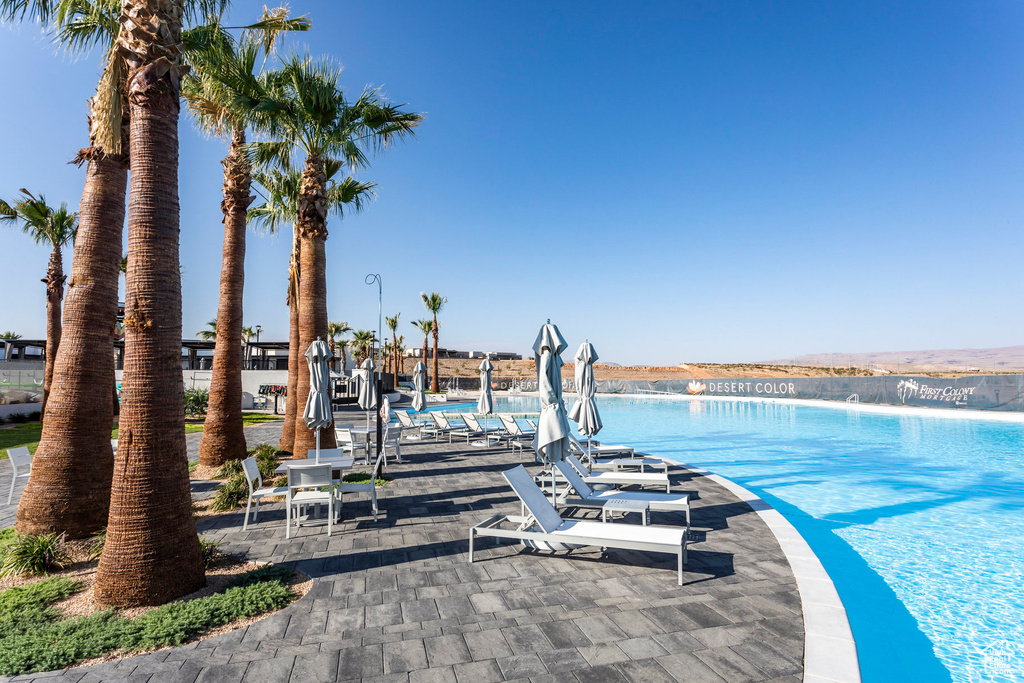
(257, 418)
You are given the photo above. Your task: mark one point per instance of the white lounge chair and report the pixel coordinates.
(408, 424)
(543, 527)
(21, 463)
(615, 457)
(515, 436)
(257, 491)
(304, 488)
(588, 497)
(620, 478)
(478, 431)
(371, 488)
(441, 426)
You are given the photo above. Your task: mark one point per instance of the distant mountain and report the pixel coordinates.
(1002, 358)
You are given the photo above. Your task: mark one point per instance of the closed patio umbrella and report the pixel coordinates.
(419, 380)
(552, 439)
(317, 414)
(485, 404)
(584, 412)
(367, 388)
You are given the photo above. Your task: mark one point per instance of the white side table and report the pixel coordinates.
(625, 505)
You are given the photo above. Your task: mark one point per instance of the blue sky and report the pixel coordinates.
(677, 182)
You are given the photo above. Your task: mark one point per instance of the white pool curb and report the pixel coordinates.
(830, 652)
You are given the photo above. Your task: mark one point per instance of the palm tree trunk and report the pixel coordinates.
(287, 442)
(223, 435)
(68, 490)
(394, 353)
(312, 226)
(433, 381)
(152, 552)
(424, 356)
(344, 358)
(54, 293)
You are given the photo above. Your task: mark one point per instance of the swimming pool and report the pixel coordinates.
(918, 519)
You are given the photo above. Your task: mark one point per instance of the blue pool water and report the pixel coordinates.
(918, 519)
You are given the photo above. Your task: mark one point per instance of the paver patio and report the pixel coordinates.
(397, 600)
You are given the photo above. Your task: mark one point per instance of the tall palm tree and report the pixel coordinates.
(434, 302)
(426, 326)
(56, 228)
(281, 206)
(208, 334)
(362, 342)
(392, 324)
(215, 113)
(69, 487)
(400, 348)
(334, 331)
(151, 554)
(302, 107)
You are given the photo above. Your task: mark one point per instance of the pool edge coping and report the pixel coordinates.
(830, 651)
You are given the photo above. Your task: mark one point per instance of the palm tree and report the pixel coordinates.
(55, 227)
(209, 334)
(13, 336)
(426, 326)
(304, 110)
(151, 554)
(69, 487)
(280, 206)
(434, 303)
(335, 330)
(362, 342)
(392, 324)
(400, 349)
(214, 112)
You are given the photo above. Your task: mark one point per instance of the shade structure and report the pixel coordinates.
(485, 404)
(317, 414)
(367, 385)
(584, 412)
(419, 381)
(552, 440)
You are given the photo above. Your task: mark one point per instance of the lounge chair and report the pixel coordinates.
(257, 491)
(407, 424)
(620, 478)
(543, 527)
(21, 463)
(442, 426)
(514, 436)
(476, 431)
(588, 497)
(616, 457)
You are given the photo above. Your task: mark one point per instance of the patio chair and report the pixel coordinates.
(441, 426)
(21, 463)
(370, 488)
(543, 527)
(392, 440)
(347, 442)
(514, 435)
(620, 478)
(618, 457)
(304, 488)
(257, 491)
(476, 430)
(408, 424)
(588, 497)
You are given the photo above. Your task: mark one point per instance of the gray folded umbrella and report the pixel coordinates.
(552, 439)
(485, 404)
(317, 414)
(584, 412)
(367, 386)
(419, 380)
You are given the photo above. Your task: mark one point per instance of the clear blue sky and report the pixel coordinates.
(676, 181)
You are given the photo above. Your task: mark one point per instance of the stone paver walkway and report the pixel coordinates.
(397, 600)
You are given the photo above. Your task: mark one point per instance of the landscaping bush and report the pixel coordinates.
(18, 418)
(7, 536)
(364, 478)
(230, 494)
(266, 461)
(33, 638)
(196, 402)
(35, 416)
(99, 539)
(30, 555)
(212, 555)
(228, 469)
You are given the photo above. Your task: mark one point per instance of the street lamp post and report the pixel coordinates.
(259, 328)
(370, 279)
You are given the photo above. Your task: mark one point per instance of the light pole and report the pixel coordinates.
(259, 328)
(370, 279)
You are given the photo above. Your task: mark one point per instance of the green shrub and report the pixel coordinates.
(230, 494)
(196, 401)
(228, 469)
(192, 466)
(364, 478)
(33, 638)
(35, 416)
(18, 418)
(30, 554)
(266, 459)
(7, 536)
(99, 539)
(212, 555)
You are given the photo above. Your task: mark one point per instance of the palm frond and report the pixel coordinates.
(84, 24)
(40, 11)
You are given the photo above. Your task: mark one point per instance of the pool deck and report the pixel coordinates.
(397, 600)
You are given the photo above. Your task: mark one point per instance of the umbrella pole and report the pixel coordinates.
(318, 446)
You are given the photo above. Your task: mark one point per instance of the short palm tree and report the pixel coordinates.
(434, 302)
(54, 227)
(334, 331)
(392, 323)
(280, 191)
(209, 334)
(362, 342)
(303, 109)
(214, 111)
(425, 326)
